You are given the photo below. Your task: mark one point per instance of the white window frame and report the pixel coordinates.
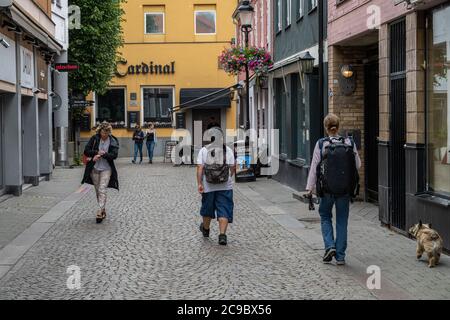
(125, 90)
(288, 13)
(195, 22)
(154, 14)
(301, 8)
(313, 4)
(279, 15)
(155, 87)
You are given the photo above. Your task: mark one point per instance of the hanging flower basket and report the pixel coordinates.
(233, 60)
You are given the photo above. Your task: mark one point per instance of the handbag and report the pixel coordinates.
(86, 159)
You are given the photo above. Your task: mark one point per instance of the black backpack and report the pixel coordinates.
(336, 172)
(217, 172)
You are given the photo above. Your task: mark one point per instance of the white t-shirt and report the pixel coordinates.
(209, 187)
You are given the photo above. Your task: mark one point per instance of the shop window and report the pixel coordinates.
(111, 107)
(157, 104)
(438, 104)
(154, 23)
(205, 22)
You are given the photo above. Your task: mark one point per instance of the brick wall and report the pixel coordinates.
(383, 60)
(415, 78)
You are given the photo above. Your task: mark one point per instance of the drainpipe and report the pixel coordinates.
(321, 68)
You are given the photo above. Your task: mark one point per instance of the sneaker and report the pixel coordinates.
(133, 161)
(204, 231)
(340, 262)
(329, 254)
(223, 239)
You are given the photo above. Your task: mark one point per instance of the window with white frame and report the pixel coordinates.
(205, 22)
(157, 104)
(300, 9)
(288, 12)
(279, 15)
(154, 23)
(312, 4)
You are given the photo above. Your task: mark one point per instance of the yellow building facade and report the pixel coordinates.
(170, 58)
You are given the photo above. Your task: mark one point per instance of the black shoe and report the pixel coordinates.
(204, 231)
(223, 239)
(329, 254)
(151, 161)
(133, 161)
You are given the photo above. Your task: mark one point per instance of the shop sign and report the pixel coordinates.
(66, 67)
(81, 103)
(144, 68)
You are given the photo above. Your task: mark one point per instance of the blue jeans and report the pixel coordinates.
(150, 148)
(137, 147)
(326, 216)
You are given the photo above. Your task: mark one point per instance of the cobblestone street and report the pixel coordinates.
(149, 247)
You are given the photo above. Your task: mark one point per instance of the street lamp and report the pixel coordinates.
(307, 63)
(246, 11)
(306, 66)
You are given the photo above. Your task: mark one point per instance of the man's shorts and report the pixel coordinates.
(218, 203)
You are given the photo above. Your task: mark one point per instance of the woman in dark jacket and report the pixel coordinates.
(101, 150)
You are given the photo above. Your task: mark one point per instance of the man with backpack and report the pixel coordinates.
(334, 175)
(215, 169)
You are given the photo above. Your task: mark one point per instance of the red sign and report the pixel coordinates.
(64, 67)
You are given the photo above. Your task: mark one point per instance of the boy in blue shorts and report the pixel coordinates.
(215, 170)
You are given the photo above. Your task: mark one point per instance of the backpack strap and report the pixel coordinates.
(321, 141)
(352, 142)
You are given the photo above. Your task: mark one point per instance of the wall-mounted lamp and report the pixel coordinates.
(307, 63)
(347, 79)
(347, 71)
(306, 66)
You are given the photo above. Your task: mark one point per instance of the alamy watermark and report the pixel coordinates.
(374, 280)
(374, 17)
(74, 279)
(252, 147)
(74, 17)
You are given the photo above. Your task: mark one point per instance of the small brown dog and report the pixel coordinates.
(429, 241)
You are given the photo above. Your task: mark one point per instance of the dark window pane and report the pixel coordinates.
(111, 106)
(157, 104)
(154, 23)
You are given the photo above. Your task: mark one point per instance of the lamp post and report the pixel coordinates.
(246, 17)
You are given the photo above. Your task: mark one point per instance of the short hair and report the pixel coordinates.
(104, 126)
(331, 122)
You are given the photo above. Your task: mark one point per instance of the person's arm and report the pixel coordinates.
(201, 188)
(357, 158)
(312, 178)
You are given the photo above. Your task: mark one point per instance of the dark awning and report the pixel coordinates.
(205, 98)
